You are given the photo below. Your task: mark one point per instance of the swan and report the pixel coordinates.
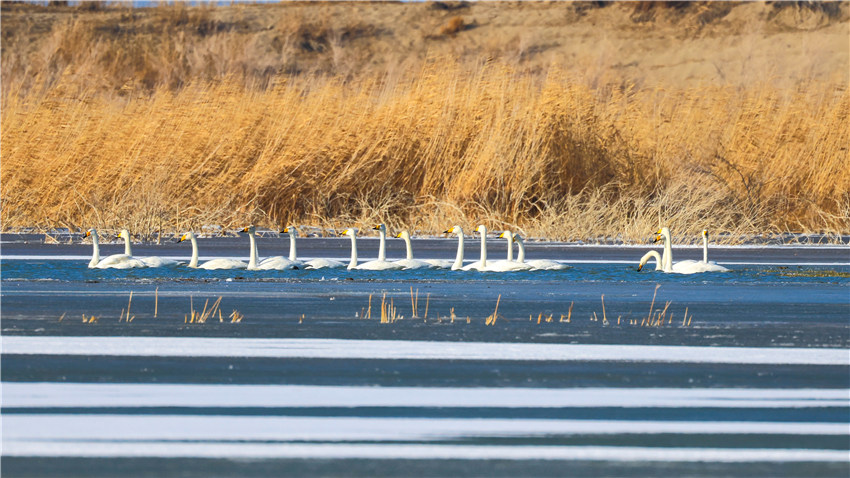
(709, 266)
(646, 257)
(683, 267)
(252, 260)
(411, 263)
(381, 263)
(458, 263)
(509, 264)
(213, 264)
(280, 263)
(537, 264)
(150, 261)
(311, 264)
(115, 261)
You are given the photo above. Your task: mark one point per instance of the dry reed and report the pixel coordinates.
(551, 153)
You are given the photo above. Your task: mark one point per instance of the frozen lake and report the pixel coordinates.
(747, 373)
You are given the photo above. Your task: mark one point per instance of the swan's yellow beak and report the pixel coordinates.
(377, 228)
(705, 233)
(449, 230)
(246, 229)
(658, 238)
(502, 235)
(640, 266)
(343, 233)
(285, 230)
(88, 233)
(398, 236)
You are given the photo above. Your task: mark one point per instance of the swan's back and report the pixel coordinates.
(219, 264)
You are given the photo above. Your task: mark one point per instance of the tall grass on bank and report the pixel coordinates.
(447, 144)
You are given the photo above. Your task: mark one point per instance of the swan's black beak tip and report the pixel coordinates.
(639, 268)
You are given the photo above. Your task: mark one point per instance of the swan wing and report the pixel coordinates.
(120, 261)
(546, 265)
(439, 263)
(155, 261)
(379, 266)
(507, 266)
(475, 266)
(409, 264)
(216, 264)
(277, 263)
(323, 264)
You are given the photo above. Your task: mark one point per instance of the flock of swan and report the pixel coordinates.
(127, 260)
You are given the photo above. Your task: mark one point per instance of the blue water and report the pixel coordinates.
(754, 305)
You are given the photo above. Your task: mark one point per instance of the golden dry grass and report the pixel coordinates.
(544, 148)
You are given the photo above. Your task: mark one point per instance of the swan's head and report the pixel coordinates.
(506, 235)
(661, 234)
(481, 229)
(517, 237)
(403, 235)
(705, 233)
(90, 232)
(350, 232)
(380, 227)
(291, 230)
(185, 237)
(250, 229)
(454, 230)
(124, 234)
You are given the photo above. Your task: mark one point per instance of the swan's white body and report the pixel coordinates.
(536, 264)
(409, 262)
(281, 263)
(149, 261)
(214, 264)
(311, 264)
(481, 264)
(381, 263)
(115, 261)
(688, 266)
(509, 264)
(650, 255)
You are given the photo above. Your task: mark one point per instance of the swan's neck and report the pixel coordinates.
(650, 255)
(353, 263)
(409, 248)
(382, 249)
(510, 248)
(484, 249)
(194, 262)
(705, 249)
(520, 257)
(459, 258)
(667, 258)
(127, 248)
(292, 251)
(252, 262)
(95, 250)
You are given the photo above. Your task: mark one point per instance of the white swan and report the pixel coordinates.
(709, 266)
(683, 267)
(252, 260)
(481, 264)
(311, 264)
(646, 257)
(509, 264)
(537, 264)
(458, 263)
(381, 263)
(115, 261)
(150, 261)
(275, 263)
(214, 264)
(409, 262)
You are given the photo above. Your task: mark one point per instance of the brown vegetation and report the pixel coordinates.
(179, 116)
